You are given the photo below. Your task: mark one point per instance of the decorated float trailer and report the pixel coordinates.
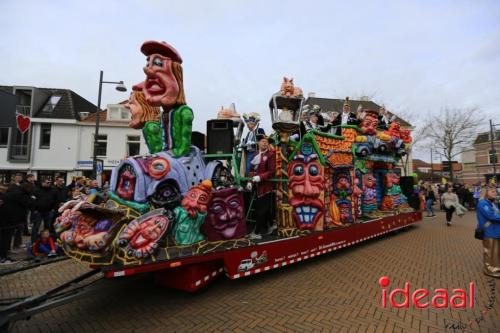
(182, 213)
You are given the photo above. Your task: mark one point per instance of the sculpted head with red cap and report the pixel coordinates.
(164, 84)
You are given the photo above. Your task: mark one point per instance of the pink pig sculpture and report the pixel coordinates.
(289, 90)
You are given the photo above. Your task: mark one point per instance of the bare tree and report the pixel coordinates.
(451, 131)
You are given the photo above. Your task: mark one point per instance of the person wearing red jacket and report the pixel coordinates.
(44, 245)
(264, 168)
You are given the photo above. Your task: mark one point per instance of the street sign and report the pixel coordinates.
(99, 166)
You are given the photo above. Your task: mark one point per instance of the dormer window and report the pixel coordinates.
(51, 103)
(118, 112)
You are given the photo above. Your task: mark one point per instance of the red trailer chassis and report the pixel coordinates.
(194, 272)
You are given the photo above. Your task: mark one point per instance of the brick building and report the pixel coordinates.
(478, 163)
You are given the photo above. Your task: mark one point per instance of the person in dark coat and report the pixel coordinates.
(46, 203)
(61, 191)
(15, 205)
(384, 119)
(314, 121)
(346, 117)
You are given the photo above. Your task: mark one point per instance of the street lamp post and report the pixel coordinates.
(120, 87)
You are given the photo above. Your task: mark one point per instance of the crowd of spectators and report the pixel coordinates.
(29, 208)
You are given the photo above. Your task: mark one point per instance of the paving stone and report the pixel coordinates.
(336, 292)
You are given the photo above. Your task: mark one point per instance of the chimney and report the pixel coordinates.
(311, 94)
(364, 98)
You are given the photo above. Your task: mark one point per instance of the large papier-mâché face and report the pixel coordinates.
(226, 216)
(136, 112)
(195, 201)
(161, 87)
(305, 187)
(369, 124)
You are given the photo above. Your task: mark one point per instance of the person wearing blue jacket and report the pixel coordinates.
(488, 219)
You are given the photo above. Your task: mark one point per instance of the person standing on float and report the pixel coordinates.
(488, 220)
(249, 144)
(264, 168)
(346, 117)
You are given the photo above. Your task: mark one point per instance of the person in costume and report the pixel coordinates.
(488, 222)
(145, 117)
(263, 170)
(164, 87)
(346, 117)
(249, 144)
(313, 121)
(384, 118)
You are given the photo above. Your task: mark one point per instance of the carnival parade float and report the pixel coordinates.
(189, 215)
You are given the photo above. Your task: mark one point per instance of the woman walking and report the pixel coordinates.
(430, 197)
(450, 201)
(488, 222)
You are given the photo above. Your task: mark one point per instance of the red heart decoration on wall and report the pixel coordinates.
(23, 123)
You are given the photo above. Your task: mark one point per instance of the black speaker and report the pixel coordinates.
(220, 136)
(198, 140)
(406, 184)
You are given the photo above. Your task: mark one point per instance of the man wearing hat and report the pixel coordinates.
(164, 87)
(264, 168)
(249, 144)
(314, 120)
(344, 118)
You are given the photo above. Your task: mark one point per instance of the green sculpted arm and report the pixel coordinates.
(183, 122)
(153, 136)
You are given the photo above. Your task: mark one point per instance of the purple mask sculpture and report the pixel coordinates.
(226, 216)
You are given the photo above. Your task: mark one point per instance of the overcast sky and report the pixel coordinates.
(415, 56)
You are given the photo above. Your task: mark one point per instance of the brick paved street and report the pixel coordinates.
(337, 292)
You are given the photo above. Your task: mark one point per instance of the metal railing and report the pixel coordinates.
(23, 109)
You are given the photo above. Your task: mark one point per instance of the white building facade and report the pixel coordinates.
(64, 146)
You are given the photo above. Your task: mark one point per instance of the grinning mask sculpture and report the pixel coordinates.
(305, 186)
(226, 216)
(369, 123)
(190, 215)
(140, 237)
(369, 203)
